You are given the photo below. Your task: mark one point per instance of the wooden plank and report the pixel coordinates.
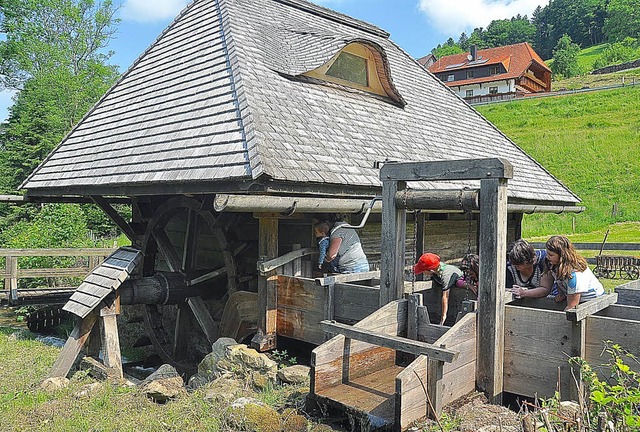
(629, 293)
(354, 302)
(493, 249)
(411, 393)
(620, 331)
(621, 311)
(534, 352)
(326, 364)
(94, 290)
(53, 272)
(267, 266)
(590, 307)
(99, 280)
(394, 342)
(58, 252)
(72, 347)
(435, 387)
(348, 277)
(464, 169)
(207, 324)
(302, 325)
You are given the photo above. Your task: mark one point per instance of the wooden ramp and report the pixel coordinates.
(361, 372)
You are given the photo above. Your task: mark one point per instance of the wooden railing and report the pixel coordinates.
(12, 271)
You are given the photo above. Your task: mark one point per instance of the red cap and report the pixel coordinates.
(427, 262)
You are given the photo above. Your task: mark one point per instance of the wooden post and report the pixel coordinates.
(297, 263)
(420, 239)
(413, 302)
(12, 279)
(578, 349)
(435, 387)
(112, 358)
(392, 243)
(490, 339)
(265, 338)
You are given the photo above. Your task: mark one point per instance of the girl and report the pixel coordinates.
(573, 277)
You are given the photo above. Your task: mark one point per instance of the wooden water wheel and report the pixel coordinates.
(195, 253)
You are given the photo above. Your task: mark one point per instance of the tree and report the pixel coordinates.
(48, 35)
(446, 50)
(623, 20)
(463, 41)
(54, 56)
(565, 58)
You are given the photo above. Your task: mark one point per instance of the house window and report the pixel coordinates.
(469, 93)
(493, 70)
(450, 77)
(469, 74)
(493, 90)
(350, 67)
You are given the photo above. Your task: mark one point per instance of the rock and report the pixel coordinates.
(251, 414)
(231, 359)
(163, 372)
(163, 384)
(293, 422)
(88, 390)
(223, 390)
(297, 374)
(54, 384)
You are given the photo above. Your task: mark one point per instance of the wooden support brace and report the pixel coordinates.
(115, 216)
(265, 338)
(388, 341)
(12, 279)
(72, 347)
(435, 387)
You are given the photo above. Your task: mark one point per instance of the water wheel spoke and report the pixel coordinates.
(207, 324)
(207, 276)
(190, 241)
(181, 336)
(167, 250)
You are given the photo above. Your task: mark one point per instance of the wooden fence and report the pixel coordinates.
(13, 272)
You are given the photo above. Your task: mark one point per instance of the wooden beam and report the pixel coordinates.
(267, 266)
(115, 216)
(347, 277)
(388, 341)
(463, 169)
(207, 324)
(74, 344)
(392, 244)
(207, 276)
(414, 301)
(590, 307)
(491, 301)
(265, 338)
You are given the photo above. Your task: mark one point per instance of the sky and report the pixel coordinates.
(416, 26)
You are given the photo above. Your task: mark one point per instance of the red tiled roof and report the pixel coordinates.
(516, 59)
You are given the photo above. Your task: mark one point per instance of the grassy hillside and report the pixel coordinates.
(591, 142)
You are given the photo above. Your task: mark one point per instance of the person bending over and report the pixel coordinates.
(443, 276)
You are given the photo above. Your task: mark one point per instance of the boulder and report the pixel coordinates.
(251, 414)
(54, 384)
(297, 374)
(163, 384)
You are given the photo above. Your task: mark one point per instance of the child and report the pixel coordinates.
(443, 276)
(470, 267)
(321, 231)
(573, 277)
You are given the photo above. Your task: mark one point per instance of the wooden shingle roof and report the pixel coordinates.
(219, 103)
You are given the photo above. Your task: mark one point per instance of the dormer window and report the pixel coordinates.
(359, 65)
(350, 67)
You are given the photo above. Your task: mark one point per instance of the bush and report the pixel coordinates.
(618, 52)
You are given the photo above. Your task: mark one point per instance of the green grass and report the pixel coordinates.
(591, 143)
(25, 363)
